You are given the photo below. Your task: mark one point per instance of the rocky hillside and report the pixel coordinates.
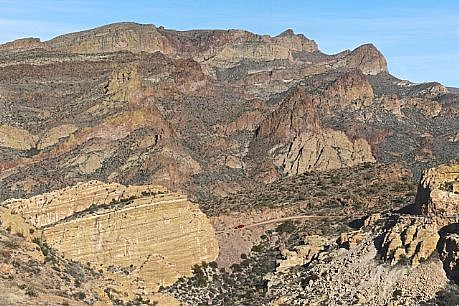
(207, 112)
(301, 168)
(367, 253)
(33, 273)
(147, 232)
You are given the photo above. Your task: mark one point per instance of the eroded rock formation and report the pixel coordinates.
(301, 144)
(438, 193)
(302, 254)
(415, 238)
(411, 240)
(329, 149)
(155, 234)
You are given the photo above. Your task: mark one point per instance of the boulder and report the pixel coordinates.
(302, 254)
(411, 240)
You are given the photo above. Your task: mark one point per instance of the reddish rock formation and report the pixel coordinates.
(296, 114)
(140, 104)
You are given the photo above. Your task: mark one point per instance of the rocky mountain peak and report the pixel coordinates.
(368, 59)
(287, 33)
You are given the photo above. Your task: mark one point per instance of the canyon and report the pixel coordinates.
(143, 165)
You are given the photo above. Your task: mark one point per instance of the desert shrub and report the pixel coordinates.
(288, 226)
(397, 293)
(79, 295)
(43, 246)
(31, 292)
(200, 277)
(403, 260)
(12, 244)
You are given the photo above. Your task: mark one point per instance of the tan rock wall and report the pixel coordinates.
(328, 150)
(49, 208)
(436, 196)
(157, 235)
(159, 238)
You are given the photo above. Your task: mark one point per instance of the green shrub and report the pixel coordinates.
(288, 226)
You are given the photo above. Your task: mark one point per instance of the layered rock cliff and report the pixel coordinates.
(49, 208)
(158, 236)
(231, 46)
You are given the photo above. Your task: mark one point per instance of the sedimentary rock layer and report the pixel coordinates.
(156, 235)
(49, 208)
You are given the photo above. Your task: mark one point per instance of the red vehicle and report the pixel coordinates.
(240, 226)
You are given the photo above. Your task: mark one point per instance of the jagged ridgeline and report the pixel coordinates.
(295, 162)
(206, 111)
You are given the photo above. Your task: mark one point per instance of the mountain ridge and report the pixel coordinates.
(296, 162)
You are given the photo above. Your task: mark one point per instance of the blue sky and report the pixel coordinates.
(420, 39)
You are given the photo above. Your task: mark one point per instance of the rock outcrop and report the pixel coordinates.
(350, 240)
(15, 224)
(301, 144)
(449, 254)
(32, 273)
(414, 238)
(296, 114)
(329, 149)
(49, 208)
(16, 138)
(411, 240)
(302, 254)
(350, 89)
(22, 44)
(54, 135)
(368, 59)
(262, 48)
(438, 195)
(155, 234)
